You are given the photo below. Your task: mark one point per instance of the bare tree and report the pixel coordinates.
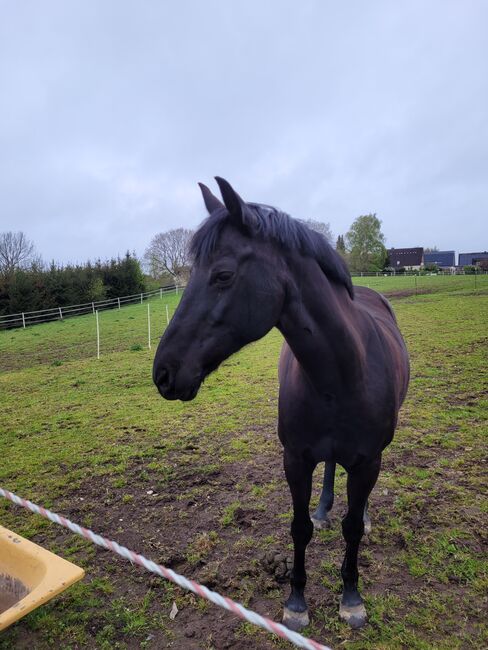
(168, 252)
(16, 251)
(321, 227)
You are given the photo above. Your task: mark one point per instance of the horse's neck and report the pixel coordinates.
(319, 322)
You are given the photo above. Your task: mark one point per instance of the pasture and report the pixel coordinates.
(182, 483)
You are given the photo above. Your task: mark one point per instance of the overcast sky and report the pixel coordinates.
(110, 112)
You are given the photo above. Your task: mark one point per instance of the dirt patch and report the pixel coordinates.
(171, 527)
(194, 526)
(227, 526)
(406, 293)
(467, 398)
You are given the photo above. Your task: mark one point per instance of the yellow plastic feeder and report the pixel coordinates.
(29, 576)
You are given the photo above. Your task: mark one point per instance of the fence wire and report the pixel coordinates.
(35, 317)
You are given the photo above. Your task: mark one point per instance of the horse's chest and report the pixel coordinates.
(332, 425)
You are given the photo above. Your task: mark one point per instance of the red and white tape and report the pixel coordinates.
(190, 585)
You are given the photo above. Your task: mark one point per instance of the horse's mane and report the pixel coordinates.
(268, 223)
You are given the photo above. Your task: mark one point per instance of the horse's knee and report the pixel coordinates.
(301, 530)
(352, 528)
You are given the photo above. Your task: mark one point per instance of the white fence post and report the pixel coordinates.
(98, 335)
(23, 320)
(60, 313)
(93, 307)
(167, 315)
(148, 327)
(141, 298)
(176, 288)
(118, 300)
(160, 293)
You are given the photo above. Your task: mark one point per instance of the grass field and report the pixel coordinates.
(423, 283)
(200, 487)
(127, 329)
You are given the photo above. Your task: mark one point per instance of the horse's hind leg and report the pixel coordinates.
(299, 476)
(360, 482)
(320, 517)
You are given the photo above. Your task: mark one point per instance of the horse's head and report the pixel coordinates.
(235, 295)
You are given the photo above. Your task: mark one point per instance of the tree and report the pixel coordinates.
(95, 290)
(340, 245)
(319, 226)
(365, 242)
(21, 291)
(122, 277)
(168, 252)
(431, 249)
(16, 252)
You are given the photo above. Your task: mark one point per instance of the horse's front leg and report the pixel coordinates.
(360, 482)
(299, 476)
(320, 517)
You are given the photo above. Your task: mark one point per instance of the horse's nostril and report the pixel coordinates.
(163, 376)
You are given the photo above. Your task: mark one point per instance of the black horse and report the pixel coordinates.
(343, 370)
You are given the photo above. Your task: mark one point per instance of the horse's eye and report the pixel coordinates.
(224, 276)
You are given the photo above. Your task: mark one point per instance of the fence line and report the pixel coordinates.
(146, 328)
(419, 273)
(34, 317)
(22, 319)
(98, 336)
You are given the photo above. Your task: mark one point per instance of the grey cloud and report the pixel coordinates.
(111, 112)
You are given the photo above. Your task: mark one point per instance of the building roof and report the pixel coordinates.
(402, 257)
(441, 258)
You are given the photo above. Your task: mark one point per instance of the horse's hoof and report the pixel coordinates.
(321, 524)
(295, 621)
(354, 615)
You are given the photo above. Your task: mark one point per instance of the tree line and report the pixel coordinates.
(363, 247)
(26, 284)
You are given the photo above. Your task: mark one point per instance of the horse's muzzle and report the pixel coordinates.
(172, 384)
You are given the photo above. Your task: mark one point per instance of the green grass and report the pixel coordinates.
(90, 438)
(424, 283)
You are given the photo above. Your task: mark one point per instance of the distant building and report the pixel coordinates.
(410, 259)
(443, 259)
(472, 259)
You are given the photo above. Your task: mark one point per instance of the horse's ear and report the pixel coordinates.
(239, 210)
(212, 203)
(233, 202)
